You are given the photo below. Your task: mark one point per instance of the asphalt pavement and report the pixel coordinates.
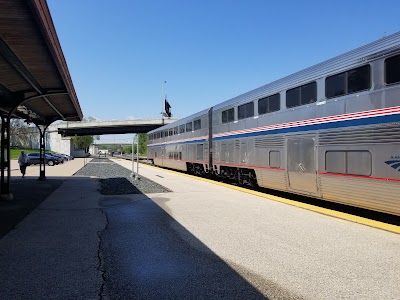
(195, 240)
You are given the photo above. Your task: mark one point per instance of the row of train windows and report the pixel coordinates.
(188, 127)
(175, 155)
(348, 82)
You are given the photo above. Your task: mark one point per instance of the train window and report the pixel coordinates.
(335, 85)
(225, 116)
(274, 159)
(392, 69)
(228, 115)
(308, 93)
(348, 82)
(180, 155)
(349, 162)
(274, 103)
(175, 155)
(176, 130)
(181, 128)
(170, 155)
(189, 127)
(197, 124)
(263, 106)
(293, 97)
(171, 132)
(302, 95)
(359, 79)
(359, 163)
(269, 104)
(246, 110)
(241, 112)
(335, 162)
(231, 115)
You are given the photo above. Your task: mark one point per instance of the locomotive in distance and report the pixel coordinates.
(330, 131)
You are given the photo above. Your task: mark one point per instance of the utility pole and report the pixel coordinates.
(137, 157)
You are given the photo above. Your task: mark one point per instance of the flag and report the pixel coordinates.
(167, 109)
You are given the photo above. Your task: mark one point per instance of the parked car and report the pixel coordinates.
(59, 157)
(68, 157)
(34, 159)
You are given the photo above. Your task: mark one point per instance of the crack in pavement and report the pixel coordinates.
(100, 266)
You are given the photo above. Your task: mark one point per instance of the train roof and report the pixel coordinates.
(339, 63)
(182, 121)
(363, 54)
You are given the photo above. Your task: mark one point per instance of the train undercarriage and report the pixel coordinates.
(240, 176)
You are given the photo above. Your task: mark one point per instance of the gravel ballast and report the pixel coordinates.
(117, 180)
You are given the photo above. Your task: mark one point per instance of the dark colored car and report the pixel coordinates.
(34, 159)
(58, 157)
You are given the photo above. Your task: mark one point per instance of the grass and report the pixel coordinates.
(14, 153)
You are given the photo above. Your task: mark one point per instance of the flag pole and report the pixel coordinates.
(162, 100)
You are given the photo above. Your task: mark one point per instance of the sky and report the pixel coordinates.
(120, 53)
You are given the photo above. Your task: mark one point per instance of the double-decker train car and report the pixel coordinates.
(330, 131)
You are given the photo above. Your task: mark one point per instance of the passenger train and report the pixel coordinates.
(331, 131)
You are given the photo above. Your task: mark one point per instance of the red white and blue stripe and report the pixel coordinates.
(369, 117)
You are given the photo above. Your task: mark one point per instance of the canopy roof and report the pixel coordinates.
(35, 83)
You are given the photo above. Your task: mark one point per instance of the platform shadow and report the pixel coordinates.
(149, 255)
(27, 193)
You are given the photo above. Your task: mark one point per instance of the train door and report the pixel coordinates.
(162, 155)
(301, 164)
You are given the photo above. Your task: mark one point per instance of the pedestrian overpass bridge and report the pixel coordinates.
(108, 127)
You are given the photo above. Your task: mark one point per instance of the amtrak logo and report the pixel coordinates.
(394, 162)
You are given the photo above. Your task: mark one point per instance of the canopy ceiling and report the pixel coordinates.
(35, 83)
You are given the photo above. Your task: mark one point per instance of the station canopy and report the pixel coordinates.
(35, 83)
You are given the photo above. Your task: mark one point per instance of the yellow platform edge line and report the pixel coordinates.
(325, 211)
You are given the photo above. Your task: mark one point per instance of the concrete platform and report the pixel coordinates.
(199, 241)
(309, 254)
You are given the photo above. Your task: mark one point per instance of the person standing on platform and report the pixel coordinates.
(23, 161)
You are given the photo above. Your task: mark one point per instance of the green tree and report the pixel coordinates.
(82, 142)
(127, 149)
(142, 143)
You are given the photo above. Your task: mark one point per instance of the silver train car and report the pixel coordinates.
(331, 131)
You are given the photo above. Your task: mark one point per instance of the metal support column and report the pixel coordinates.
(42, 150)
(5, 159)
